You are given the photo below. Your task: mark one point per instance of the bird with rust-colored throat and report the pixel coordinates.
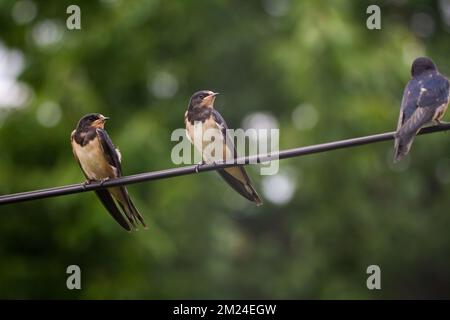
(100, 160)
(201, 112)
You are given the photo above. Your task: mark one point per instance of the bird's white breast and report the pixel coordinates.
(93, 161)
(208, 139)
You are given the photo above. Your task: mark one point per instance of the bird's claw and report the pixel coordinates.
(198, 166)
(103, 181)
(86, 183)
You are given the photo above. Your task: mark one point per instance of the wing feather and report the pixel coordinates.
(107, 200)
(236, 177)
(120, 193)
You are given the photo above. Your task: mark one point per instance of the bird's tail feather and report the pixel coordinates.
(256, 199)
(136, 213)
(404, 139)
(406, 133)
(402, 148)
(246, 190)
(108, 202)
(128, 207)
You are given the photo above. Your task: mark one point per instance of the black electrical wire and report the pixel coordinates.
(175, 172)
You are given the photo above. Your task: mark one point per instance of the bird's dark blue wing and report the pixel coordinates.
(107, 200)
(428, 91)
(434, 91)
(409, 102)
(423, 97)
(109, 150)
(220, 121)
(236, 177)
(120, 193)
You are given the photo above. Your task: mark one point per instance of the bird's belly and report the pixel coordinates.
(208, 139)
(93, 162)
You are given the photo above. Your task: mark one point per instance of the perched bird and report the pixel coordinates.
(201, 111)
(425, 100)
(100, 160)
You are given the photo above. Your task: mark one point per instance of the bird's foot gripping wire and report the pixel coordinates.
(201, 163)
(444, 123)
(86, 183)
(103, 181)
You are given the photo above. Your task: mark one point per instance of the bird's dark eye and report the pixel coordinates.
(202, 96)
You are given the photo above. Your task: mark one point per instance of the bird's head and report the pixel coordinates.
(95, 120)
(422, 64)
(202, 99)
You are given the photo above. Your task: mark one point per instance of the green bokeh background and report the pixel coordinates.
(310, 67)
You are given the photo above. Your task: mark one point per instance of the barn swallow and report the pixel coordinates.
(425, 100)
(201, 110)
(100, 160)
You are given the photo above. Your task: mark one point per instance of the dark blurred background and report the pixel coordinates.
(310, 68)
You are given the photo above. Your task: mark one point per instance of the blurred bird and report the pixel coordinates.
(100, 160)
(201, 111)
(425, 100)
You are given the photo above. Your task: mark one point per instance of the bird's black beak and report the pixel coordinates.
(214, 94)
